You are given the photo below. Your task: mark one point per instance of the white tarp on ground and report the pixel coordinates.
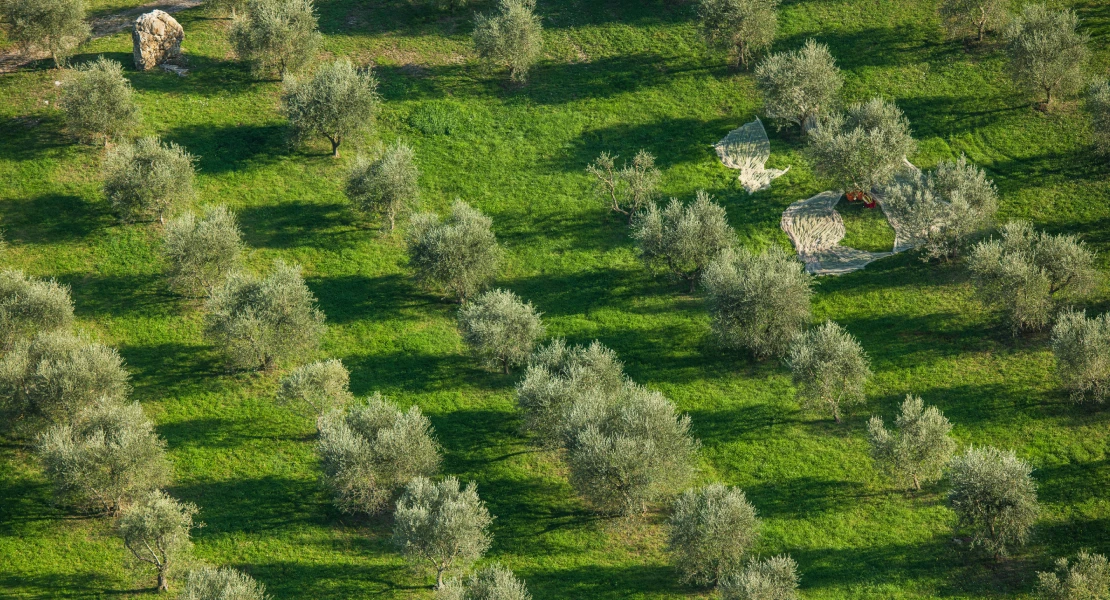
(746, 148)
(815, 228)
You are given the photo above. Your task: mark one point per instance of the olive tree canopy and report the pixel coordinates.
(337, 102)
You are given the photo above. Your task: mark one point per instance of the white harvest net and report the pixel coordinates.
(746, 148)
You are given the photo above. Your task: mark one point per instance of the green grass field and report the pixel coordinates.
(617, 75)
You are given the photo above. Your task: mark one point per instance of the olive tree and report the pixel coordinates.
(683, 239)
(630, 188)
(758, 302)
(1031, 274)
(800, 87)
(739, 27)
(105, 460)
(628, 449)
(994, 498)
(490, 583)
(29, 305)
(98, 102)
(224, 583)
(387, 186)
(316, 388)
(863, 148)
(558, 376)
(147, 178)
(54, 377)
(829, 368)
(512, 37)
(1085, 578)
(1098, 107)
(459, 255)
(156, 531)
(276, 35)
(372, 450)
(1047, 53)
(775, 578)
(500, 328)
(337, 102)
(441, 525)
(201, 252)
(941, 211)
(920, 447)
(712, 529)
(259, 323)
(973, 17)
(1082, 350)
(55, 26)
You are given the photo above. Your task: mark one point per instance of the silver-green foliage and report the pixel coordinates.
(459, 255)
(800, 87)
(490, 583)
(106, 459)
(740, 27)
(500, 328)
(683, 239)
(1031, 274)
(965, 17)
(54, 377)
(146, 178)
(224, 583)
(441, 525)
(775, 578)
(1085, 578)
(829, 368)
(918, 449)
(758, 301)
(372, 450)
(712, 529)
(630, 188)
(512, 37)
(864, 147)
(941, 211)
(259, 323)
(316, 388)
(994, 497)
(98, 101)
(201, 252)
(1082, 350)
(558, 376)
(156, 531)
(1048, 54)
(56, 26)
(338, 102)
(276, 35)
(628, 449)
(29, 305)
(387, 186)
(1098, 107)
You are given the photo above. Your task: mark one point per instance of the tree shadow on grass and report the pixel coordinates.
(336, 580)
(560, 82)
(53, 218)
(64, 585)
(1074, 482)
(1067, 537)
(221, 149)
(1046, 170)
(605, 582)
(33, 136)
(948, 116)
(358, 298)
(804, 497)
(907, 43)
(253, 505)
(297, 224)
(135, 295)
(749, 422)
(416, 371)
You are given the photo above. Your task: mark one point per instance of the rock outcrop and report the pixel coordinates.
(156, 39)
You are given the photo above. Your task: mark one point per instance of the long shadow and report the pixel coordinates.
(53, 218)
(946, 116)
(119, 295)
(414, 371)
(605, 582)
(63, 585)
(351, 298)
(33, 136)
(336, 580)
(560, 82)
(221, 149)
(272, 503)
(880, 46)
(673, 141)
(804, 497)
(1046, 170)
(1073, 483)
(297, 224)
(1068, 537)
(172, 369)
(747, 422)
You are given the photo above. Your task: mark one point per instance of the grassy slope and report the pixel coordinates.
(619, 75)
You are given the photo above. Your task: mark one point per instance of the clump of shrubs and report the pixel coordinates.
(1085, 577)
(1030, 275)
(683, 239)
(147, 179)
(630, 188)
(500, 328)
(758, 302)
(459, 255)
(371, 450)
(775, 578)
